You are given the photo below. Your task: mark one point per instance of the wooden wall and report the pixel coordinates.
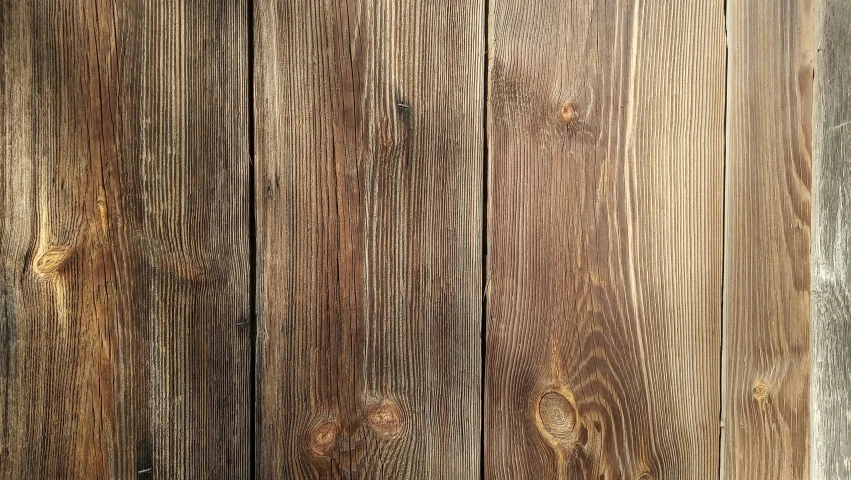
(440, 239)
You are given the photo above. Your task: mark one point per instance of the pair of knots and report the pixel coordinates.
(384, 418)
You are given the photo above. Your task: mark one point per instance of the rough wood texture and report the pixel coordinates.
(123, 240)
(605, 130)
(369, 207)
(767, 269)
(831, 247)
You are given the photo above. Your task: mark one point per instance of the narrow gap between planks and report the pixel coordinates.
(252, 250)
(485, 213)
(723, 365)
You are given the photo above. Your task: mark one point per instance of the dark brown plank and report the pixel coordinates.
(124, 239)
(831, 246)
(767, 269)
(606, 131)
(369, 209)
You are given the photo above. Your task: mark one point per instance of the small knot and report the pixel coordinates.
(322, 438)
(644, 476)
(760, 390)
(568, 112)
(52, 260)
(385, 418)
(558, 417)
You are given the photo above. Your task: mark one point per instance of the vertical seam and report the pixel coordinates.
(252, 248)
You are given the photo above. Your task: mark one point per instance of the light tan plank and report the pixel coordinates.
(767, 269)
(605, 129)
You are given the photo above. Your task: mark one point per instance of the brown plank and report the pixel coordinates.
(767, 269)
(124, 239)
(606, 134)
(830, 389)
(369, 145)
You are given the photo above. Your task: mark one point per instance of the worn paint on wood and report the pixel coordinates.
(767, 269)
(831, 247)
(606, 141)
(124, 239)
(369, 215)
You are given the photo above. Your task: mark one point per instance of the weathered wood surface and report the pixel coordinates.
(831, 247)
(767, 269)
(124, 239)
(369, 146)
(125, 250)
(606, 141)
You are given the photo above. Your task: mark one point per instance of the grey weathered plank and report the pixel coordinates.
(767, 269)
(369, 213)
(831, 247)
(124, 239)
(606, 141)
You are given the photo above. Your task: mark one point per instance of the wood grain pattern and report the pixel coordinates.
(369, 212)
(604, 247)
(124, 244)
(831, 247)
(767, 269)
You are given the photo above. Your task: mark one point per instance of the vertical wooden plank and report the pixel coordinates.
(767, 269)
(831, 247)
(604, 247)
(124, 239)
(369, 210)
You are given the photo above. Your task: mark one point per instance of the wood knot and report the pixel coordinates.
(568, 112)
(52, 260)
(557, 417)
(644, 476)
(760, 390)
(322, 438)
(385, 418)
